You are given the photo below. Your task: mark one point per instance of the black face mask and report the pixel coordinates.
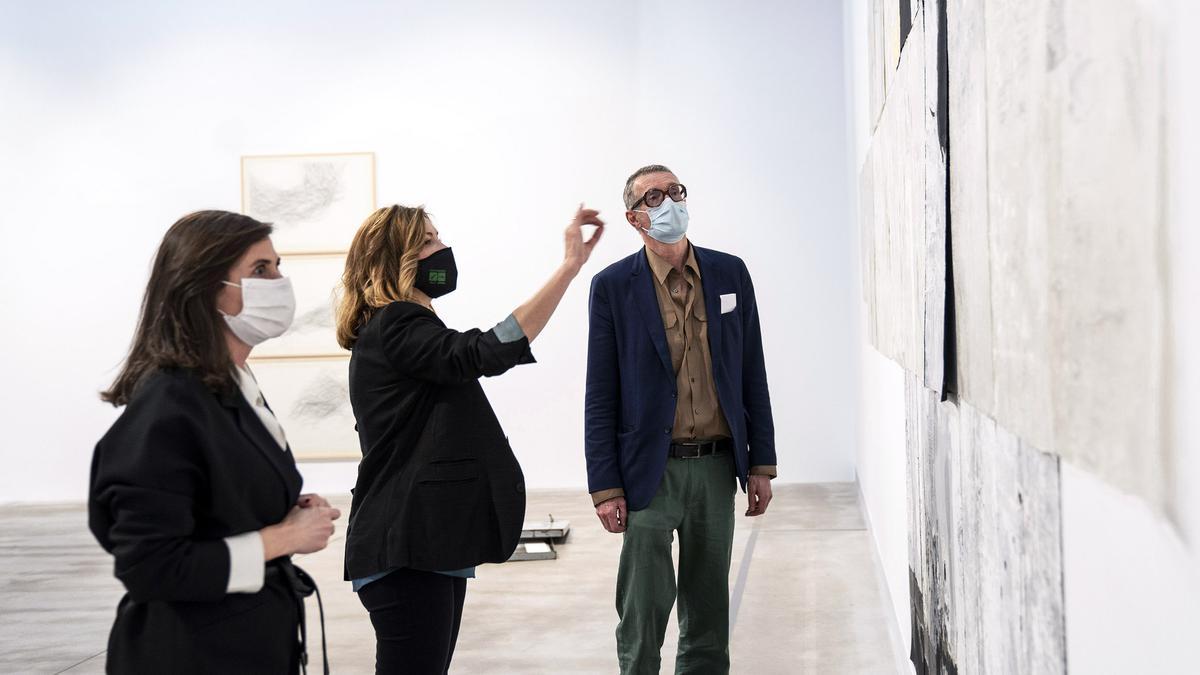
(437, 275)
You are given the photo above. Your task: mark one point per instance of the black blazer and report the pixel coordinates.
(438, 486)
(180, 470)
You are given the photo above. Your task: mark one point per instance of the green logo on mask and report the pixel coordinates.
(437, 276)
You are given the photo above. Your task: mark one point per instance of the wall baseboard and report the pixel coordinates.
(899, 649)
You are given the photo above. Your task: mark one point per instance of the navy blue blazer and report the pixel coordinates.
(630, 400)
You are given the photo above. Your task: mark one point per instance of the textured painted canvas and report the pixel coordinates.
(967, 99)
(1057, 238)
(895, 245)
(316, 202)
(985, 556)
(1000, 235)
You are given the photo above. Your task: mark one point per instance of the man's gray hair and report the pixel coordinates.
(630, 198)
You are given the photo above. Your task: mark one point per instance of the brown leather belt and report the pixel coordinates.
(697, 449)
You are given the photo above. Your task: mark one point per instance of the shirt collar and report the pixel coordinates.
(662, 268)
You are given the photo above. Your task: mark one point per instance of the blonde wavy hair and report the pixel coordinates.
(381, 267)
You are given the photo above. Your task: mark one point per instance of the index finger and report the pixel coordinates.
(595, 236)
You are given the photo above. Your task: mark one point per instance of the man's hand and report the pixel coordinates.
(612, 514)
(759, 491)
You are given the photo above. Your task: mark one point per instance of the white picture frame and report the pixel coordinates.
(315, 279)
(311, 400)
(316, 202)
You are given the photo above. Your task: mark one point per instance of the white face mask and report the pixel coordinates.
(268, 307)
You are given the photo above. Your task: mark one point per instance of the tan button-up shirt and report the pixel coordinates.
(698, 415)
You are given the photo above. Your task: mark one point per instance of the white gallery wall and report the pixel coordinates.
(880, 459)
(116, 119)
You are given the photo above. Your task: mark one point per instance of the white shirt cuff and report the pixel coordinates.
(246, 564)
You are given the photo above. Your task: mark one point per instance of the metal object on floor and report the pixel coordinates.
(538, 539)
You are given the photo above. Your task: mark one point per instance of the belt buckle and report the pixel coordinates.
(696, 446)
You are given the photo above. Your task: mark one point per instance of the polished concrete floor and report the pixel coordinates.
(804, 595)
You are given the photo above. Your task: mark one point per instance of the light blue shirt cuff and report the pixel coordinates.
(509, 330)
(358, 584)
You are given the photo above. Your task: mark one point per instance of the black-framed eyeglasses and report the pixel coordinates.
(653, 197)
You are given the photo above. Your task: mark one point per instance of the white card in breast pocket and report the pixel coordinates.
(728, 302)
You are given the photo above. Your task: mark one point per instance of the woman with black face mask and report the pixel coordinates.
(439, 490)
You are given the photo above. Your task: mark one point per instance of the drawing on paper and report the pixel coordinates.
(315, 202)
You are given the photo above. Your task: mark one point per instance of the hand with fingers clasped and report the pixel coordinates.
(306, 529)
(312, 499)
(613, 514)
(758, 490)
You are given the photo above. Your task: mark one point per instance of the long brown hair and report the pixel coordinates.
(381, 267)
(179, 326)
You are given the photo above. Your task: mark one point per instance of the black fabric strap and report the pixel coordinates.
(302, 586)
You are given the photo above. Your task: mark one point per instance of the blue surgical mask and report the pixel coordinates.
(668, 221)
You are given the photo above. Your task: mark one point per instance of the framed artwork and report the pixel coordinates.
(315, 279)
(311, 399)
(316, 202)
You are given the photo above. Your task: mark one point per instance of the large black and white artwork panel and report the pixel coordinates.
(986, 569)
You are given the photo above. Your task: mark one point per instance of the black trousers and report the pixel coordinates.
(416, 617)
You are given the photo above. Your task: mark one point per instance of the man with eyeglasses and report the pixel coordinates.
(676, 410)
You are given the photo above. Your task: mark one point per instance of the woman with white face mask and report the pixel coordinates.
(194, 490)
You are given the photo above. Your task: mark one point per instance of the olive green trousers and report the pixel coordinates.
(695, 499)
